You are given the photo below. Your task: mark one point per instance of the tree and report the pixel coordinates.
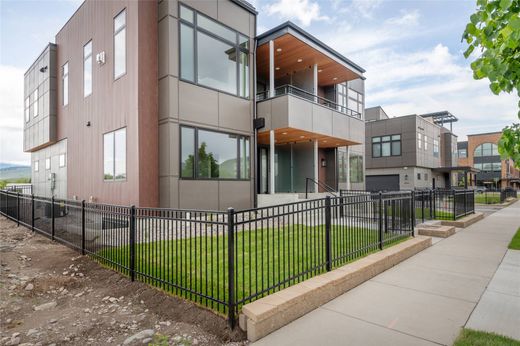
(495, 30)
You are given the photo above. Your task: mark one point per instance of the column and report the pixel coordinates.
(271, 68)
(348, 169)
(315, 87)
(316, 165)
(271, 162)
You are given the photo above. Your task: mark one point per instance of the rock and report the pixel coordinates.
(79, 294)
(29, 287)
(31, 332)
(53, 321)
(146, 341)
(45, 306)
(147, 333)
(13, 341)
(112, 300)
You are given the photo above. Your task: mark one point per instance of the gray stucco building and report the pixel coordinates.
(410, 152)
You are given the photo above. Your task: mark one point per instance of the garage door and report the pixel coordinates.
(383, 182)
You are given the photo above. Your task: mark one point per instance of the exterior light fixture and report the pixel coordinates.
(335, 78)
(277, 68)
(319, 70)
(299, 60)
(284, 133)
(278, 50)
(302, 136)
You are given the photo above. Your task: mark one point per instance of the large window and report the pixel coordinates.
(114, 155)
(342, 166)
(35, 103)
(356, 168)
(212, 54)
(436, 148)
(214, 155)
(486, 149)
(355, 101)
(48, 163)
(65, 83)
(341, 96)
(36, 166)
(419, 140)
(489, 167)
(386, 146)
(27, 109)
(120, 44)
(87, 69)
(62, 160)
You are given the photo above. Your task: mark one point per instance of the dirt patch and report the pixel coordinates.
(51, 295)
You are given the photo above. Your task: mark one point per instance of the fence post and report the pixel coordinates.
(231, 266)
(18, 209)
(83, 227)
(32, 212)
(132, 243)
(454, 205)
(432, 205)
(328, 221)
(52, 218)
(422, 205)
(380, 220)
(413, 212)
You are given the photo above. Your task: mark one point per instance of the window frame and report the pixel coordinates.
(60, 165)
(64, 76)
(27, 109)
(357, 159)
(85, 57)
(380, 141)
(113, 132)
(115, 32)
(36, 165)
(196, 154)
(36, 96)
(48, 166)
(237, 46)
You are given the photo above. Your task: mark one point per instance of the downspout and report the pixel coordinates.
(255, 131)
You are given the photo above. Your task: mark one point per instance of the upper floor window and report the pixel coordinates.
(425, 142)
(418, 176)
(489, 166)
(486, 149)
(48, 163)
(419, 140)
(65, 83)
(341, 96)
(386, 146)
(35, 103)
(62, 160)
(213, 55)
(87, 69)
(355, 101)
(120, 44)
(27, 109)
(436, 148)
(463, 153)
(214, 155)
(356, 168)
(114, 155)
(36, 166)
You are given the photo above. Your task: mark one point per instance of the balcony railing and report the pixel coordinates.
(292, 90)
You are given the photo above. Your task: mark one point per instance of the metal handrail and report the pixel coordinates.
(320, 184)
(295, 91)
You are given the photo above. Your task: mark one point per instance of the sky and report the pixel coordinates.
(411, 51)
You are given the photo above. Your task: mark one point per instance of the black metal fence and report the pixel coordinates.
(221, 260)
(494, 196)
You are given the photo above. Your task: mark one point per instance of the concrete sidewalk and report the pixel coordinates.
(422, 301)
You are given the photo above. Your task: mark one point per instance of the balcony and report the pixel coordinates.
(295, 91)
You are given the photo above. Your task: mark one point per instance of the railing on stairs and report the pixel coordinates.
(321, 184)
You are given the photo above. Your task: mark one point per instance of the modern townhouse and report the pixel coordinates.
(154, 103)
(410, 152)
(480, 151)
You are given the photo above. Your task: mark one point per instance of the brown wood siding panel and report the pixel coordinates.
(112, 104)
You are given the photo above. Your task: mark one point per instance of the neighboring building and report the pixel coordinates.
(481, 152)
(153, 103)
(410, 152)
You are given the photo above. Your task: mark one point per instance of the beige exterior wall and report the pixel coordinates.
(183, 103)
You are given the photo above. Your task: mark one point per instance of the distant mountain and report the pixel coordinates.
(10, 171)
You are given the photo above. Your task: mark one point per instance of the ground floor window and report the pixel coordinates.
(114, 155)
(209, 154)
(342, 166)
(356, 168)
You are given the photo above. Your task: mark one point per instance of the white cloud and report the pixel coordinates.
(303, 11)
(11, 115)
(365, 8)
(406, 18)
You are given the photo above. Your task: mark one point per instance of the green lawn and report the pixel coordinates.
(470, 337)
(515, 242)
(263, 258)
(439, 214)
(487, 198)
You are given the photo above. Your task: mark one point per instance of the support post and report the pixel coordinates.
(380, 226)
(132, 243)
(32, 212)
(328, 221)
(83, 227)
(271, 68)
(52, 218)
(18, 209)
(231, 267)
(271, 162)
